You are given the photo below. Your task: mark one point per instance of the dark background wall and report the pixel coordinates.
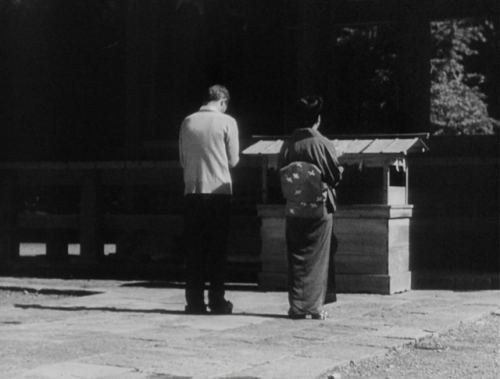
(87, 79)
(81, 80)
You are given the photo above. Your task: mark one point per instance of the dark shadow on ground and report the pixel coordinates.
(43, 291)
(243, 287)
(127, 310)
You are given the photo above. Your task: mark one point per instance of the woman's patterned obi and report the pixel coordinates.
(303, 190)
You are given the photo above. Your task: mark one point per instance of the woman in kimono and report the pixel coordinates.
(309, 167)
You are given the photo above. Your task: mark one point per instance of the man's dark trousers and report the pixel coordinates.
(206, 229)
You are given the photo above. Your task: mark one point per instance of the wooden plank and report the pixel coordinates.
(371, 227)
(362, 237)
(253, 149)
(264, 180)
(46, 221)
(371, 160)
(374, 211)
(363, 211)
(274, 148)
(377, 146)
(418, 146)
(361, 264)
(357, 146)
(341, 146)
(349, 149)
(400, 146)
(407, 184)
(386, 183)
(258, 147)
(352, 244)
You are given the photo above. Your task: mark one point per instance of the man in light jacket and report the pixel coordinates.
(209, 147)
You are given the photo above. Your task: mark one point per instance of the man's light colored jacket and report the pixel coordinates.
(209, 147)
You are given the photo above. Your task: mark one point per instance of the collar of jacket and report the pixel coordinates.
(208, 108)
(306, 132)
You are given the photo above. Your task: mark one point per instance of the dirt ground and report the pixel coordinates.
(8, 297)
(469, 351)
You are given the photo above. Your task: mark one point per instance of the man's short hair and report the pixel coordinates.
(217, 92)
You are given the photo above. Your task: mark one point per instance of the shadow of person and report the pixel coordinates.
(146, 311)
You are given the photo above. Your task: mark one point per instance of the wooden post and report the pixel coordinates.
(91, 243)
(56, 239)
(9, 241)
(407, 185)
(386, 184)
(264, 180)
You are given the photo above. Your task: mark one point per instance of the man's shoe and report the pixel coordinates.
(196, 309)
(323, 315)
(224, 308)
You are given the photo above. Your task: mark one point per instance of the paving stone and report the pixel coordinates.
(145, 333)
(289, 368)
(74, 370)
(219, 323)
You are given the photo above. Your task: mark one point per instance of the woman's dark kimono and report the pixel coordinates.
(309, 240)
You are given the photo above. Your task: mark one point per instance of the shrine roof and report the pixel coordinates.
(371, 151)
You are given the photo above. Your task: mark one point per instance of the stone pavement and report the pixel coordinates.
(134, 330)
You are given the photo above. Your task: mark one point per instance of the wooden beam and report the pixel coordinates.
(386, 184)
(91, 242)
(264, 180)
(407, 184)
(9, 242)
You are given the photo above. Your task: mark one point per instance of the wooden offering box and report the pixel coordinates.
(374, 244)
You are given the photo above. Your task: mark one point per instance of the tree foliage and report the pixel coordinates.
(457, 103)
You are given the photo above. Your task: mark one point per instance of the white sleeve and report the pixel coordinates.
(232, 144)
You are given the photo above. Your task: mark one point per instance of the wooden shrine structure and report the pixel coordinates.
(374, 239)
